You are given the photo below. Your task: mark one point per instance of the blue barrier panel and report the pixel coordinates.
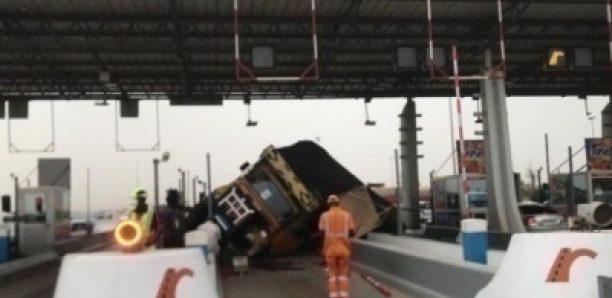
(4, 246)
(474, 240)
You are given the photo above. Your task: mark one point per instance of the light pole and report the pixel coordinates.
(182, 186)
(195, 181)
(592, 118)
(156, 161)
(204, 193)
(89, 230)
(209, 184)
(541, 199)
(17, 218)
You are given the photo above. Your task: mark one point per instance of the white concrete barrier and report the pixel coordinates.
(559, 265)
(420, 274)
(200, 239)
(163, 273)
(433, 248)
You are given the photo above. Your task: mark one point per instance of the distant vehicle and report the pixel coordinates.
(81, 225)
(426, 214)
(105, 221)
(541, 218)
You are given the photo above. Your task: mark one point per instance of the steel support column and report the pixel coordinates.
(503, 212)
(606, 120)
(409, 166)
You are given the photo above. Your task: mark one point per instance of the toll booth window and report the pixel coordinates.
(602, 190)
(477, 200)
(34, 210)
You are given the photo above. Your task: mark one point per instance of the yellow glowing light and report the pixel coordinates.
(134, 231)
(556, 57)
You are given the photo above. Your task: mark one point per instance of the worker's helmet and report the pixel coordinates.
(333, 199)
(138, 193)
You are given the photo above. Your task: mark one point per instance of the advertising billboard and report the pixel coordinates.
(474, 157)
(599, 156)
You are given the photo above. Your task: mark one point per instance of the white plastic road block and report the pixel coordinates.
(535, 266)
(474, 240)
(119, 275)
(198, 239)
(473, 225)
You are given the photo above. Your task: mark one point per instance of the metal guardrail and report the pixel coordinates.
(23, 267)
(77, 244)
(419, 274)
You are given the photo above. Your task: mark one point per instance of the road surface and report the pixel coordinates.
(294, 277)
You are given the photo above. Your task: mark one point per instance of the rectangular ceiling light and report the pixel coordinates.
(406, 58)
(104, 76)
(556, 58)
(129, 108)
(583, 57)
(439, 56)
(18, 108)
(263, 57)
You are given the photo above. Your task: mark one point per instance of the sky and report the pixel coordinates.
(86, 134)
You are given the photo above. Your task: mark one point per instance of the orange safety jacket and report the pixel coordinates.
(336, 224)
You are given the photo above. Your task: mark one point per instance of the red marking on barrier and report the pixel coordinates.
(560, 269)
(380, 288)
(167, 288)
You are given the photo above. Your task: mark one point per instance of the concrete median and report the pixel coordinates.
(419, 274)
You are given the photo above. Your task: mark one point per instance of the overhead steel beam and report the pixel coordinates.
(362, 27)
(15, 76)
(176, 9)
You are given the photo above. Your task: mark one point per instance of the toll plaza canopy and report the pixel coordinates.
(341, 48)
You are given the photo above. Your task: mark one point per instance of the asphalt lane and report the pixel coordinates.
(39, 284)
(294, 277)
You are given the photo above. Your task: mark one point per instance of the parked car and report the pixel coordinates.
(540, 218)
(80, 225)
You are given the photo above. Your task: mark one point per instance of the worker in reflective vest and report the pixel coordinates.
(147, 218)
(338, 226)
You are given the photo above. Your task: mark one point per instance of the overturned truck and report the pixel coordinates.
(274, 206)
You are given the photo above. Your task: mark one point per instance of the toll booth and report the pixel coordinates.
(44, 218)
(594, 184)
(587, 187)
(449, 208)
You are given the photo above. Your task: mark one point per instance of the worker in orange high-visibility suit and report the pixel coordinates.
(338, 226)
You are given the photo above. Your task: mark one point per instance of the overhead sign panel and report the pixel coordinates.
(129, 108)
(18, 108)
(54, 172)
